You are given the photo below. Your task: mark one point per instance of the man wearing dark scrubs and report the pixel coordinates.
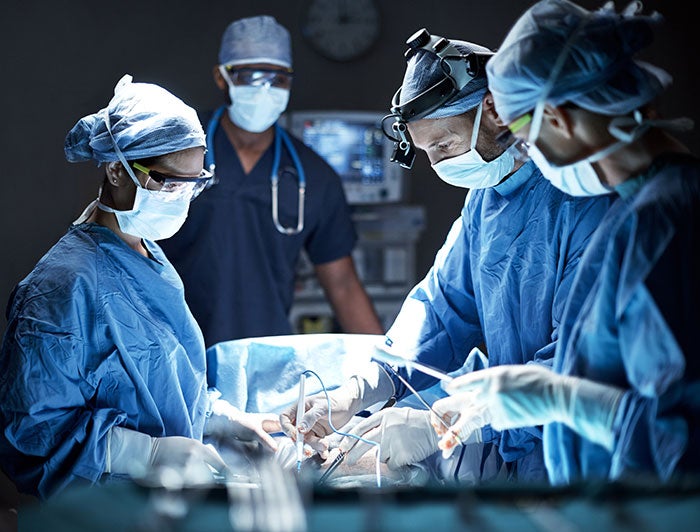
(237, 252)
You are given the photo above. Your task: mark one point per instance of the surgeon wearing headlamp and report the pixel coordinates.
(500, 279)
(621, 402)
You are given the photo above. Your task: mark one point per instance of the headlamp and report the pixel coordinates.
(459, 69)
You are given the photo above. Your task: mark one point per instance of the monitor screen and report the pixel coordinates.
(352, 143)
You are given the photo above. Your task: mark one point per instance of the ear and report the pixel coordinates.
(559, 119)
(218, 78)
(488, 109)
(116, 174)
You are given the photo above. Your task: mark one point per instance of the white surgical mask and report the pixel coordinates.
(578, 179)
(469, 170)
(256, 108)
(154, 216)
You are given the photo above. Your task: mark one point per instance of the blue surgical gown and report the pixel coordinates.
(501, 278)
(239, 271)
(633, 321)
(98, 335)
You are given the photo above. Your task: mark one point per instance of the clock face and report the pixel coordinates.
(341, 30)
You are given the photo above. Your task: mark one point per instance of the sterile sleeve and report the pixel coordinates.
(438, 323)
(636, 334)
(578, 219)
(52, 437)
(657, 295)
(652, 429)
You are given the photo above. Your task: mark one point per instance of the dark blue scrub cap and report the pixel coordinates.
(424, 70)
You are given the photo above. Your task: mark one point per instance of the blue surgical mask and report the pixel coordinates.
(256, 107)
(469, 170)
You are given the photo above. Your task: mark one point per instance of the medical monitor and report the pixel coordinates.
(352, 143)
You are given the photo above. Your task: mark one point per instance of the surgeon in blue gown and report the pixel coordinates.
(501, 278)
(102, 367)
(623, 402)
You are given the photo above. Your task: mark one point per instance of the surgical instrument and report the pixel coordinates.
(334, 465)
(423, 401)
(300, 415)
(382, 355)
(388, 358)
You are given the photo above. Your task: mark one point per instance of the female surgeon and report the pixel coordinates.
(102, 368)
(623, 399)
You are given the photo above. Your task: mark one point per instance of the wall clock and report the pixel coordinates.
(341, 30)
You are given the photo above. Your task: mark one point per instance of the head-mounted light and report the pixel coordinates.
(459, 69)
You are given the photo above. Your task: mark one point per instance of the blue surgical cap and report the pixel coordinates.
(145, 120)
(595, 51)
(424, 70)
(256, 40)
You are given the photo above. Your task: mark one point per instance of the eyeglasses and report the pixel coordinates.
(519, 123)
(177, 186)
(281, 79)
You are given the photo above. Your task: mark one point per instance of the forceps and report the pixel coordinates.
(334, 465)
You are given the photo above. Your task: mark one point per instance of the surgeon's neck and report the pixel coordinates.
(249, 146)
(635, 158)
(109, 220)
(516, 166)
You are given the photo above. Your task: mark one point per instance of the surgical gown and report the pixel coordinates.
(98, 335)
(501, 278)
(633, 322)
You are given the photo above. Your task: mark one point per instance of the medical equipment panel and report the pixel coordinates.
(385, 259)
(352, 142)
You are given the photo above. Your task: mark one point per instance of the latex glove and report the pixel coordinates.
(138, 454)
(345, 402)
(462, 418)
(509, 397)
(360, 392)
(228, 422)
(404, 435)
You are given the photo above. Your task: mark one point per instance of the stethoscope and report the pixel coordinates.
(280, 138)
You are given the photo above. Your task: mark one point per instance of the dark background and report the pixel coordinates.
(61, 60)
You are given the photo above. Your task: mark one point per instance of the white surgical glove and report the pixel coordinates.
(463, 420)
(360, 392)
(404, 435)
(228, 422)
(509, 397)
(137, 454)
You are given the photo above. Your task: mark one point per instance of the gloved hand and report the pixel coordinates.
(509, 397)
(228, 422)
(465, 423)
(191, 457)
(404, 435)
(138, 454)
(360, 392)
